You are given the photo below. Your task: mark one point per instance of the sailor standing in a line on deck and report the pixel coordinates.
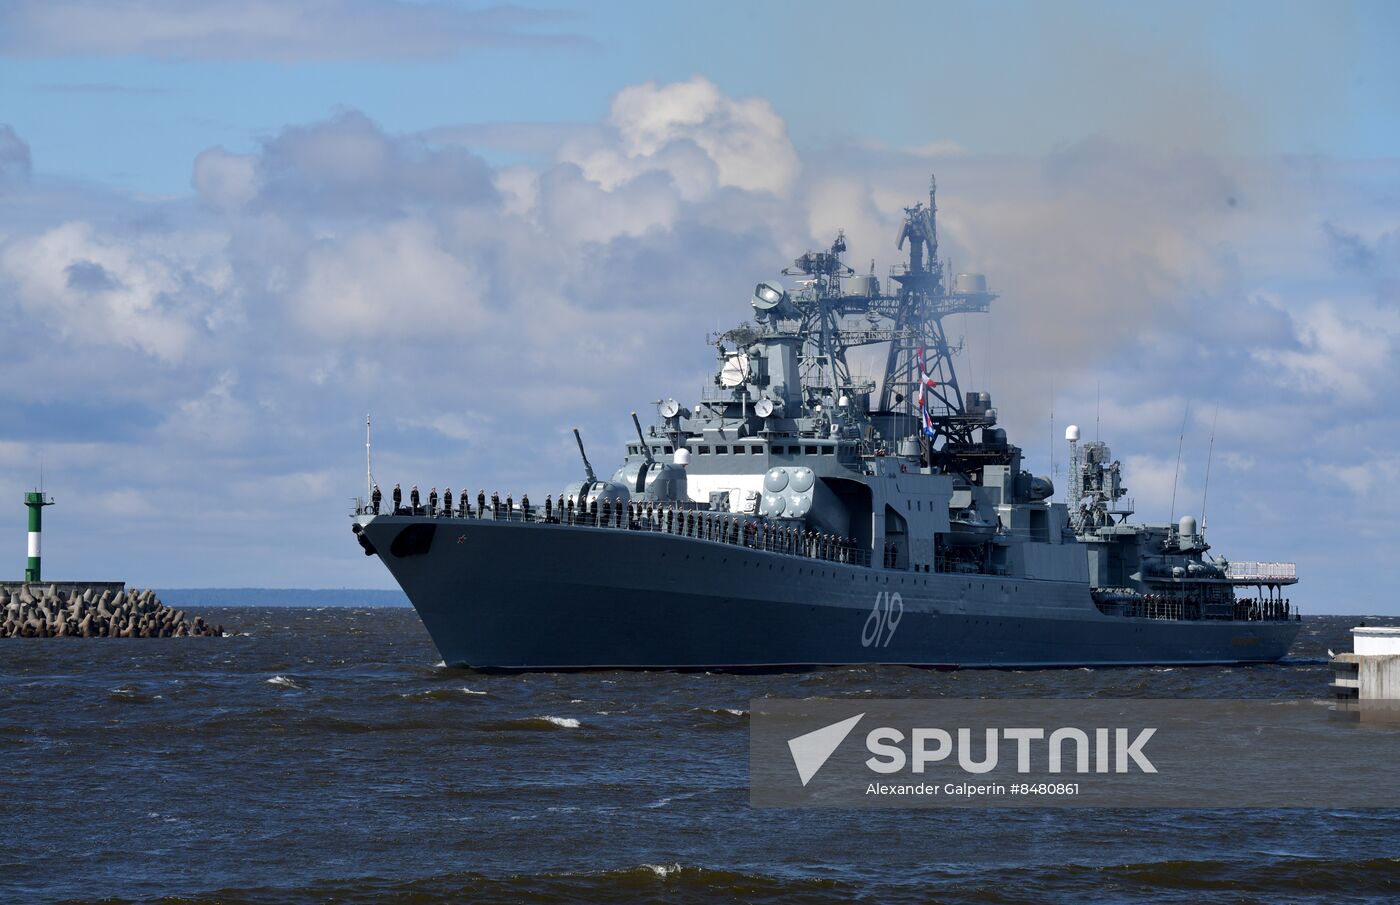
(398, 499)
(374, 498)
(447, 502)
(480, 502)
(413, 499)
(432, 501)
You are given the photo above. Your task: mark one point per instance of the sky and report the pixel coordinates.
(231, 228)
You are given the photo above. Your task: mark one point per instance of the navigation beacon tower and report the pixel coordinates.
(35, 501)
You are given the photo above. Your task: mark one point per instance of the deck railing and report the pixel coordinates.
(699, 524)
(1263, 571)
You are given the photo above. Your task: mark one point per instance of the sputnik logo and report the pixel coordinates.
(812, 750)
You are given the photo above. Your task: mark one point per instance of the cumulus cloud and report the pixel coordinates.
(391, 282)
(1338, 358)
(692, 131)
(95, 288)
(225, 180)
(344, 165)
(281, 30)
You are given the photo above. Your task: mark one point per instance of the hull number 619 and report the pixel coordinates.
(883, 620)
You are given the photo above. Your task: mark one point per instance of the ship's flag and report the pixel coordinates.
(925, 383)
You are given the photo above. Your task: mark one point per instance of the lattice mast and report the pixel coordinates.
(923, 301)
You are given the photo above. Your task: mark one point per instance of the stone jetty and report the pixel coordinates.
(51, 611)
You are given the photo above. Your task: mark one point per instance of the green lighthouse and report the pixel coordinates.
(35, 501)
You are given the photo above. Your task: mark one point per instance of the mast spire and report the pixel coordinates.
(1210, 454)
(933, 221)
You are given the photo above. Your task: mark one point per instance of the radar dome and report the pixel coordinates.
(970, 282)
(1072, 432)
(682, 457)
(1187, 526)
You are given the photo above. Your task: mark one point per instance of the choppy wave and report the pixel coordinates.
(719, 718)
(675, 884)
(1173, 881)
(531, 724)
(126, 694)
(441, 694)
(282, 682)
(1246, 878)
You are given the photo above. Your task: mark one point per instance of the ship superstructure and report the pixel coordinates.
(799, 513)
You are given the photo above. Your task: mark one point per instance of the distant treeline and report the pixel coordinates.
(196, 597)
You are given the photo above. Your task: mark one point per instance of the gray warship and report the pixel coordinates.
(800, 514)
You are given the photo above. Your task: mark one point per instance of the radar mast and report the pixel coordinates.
(923, 300)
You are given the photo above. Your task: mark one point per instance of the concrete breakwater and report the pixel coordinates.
(74, 611)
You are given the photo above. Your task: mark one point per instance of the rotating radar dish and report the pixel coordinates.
(735, 371)
(767, 296)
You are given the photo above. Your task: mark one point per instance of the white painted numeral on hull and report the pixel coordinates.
(883, 620)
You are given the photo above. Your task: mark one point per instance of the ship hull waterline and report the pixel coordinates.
(501, 595)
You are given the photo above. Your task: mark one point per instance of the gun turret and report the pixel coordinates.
(645, 446)
(587, 468)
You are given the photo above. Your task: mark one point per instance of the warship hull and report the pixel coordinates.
(503, 595)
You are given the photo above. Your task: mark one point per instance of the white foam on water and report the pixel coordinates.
(563, 722)
(466, 690)
(736, 711)
(663, 870)
(281, 682)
